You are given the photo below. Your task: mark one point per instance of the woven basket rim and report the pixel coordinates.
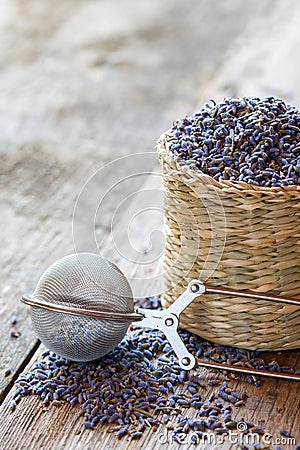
(189, 174)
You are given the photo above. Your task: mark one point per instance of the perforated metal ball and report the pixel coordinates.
(86, 281)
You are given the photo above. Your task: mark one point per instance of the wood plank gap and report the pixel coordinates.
(16, 373)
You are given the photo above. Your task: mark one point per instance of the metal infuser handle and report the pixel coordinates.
(271, 298)
(167, 321)
(177, 307)
(30, 300)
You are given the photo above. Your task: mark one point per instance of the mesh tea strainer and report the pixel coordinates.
(83, 305)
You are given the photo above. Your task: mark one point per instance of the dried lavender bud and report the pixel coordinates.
(123, 431)
(285, 433)
(13, 405)
(15, 333)
(247, 139)
(136, 435)
(7, 372)
(14, 320)
(122, 390)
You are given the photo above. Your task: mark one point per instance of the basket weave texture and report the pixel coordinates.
(237, 236)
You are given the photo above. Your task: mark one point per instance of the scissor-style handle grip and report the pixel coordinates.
(167, 321)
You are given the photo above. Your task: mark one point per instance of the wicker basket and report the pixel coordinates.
(237, 236)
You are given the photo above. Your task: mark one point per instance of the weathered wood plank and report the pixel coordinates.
(43, 224)
(38, 185)
(130, 77)
(275, 404)
(262, 62)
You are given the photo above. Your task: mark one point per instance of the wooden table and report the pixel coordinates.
(60, 131)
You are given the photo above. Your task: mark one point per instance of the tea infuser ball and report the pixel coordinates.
(86, 282)
(83, 305)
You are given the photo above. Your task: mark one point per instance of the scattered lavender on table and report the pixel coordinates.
(14, 320)
(14, 332)
(285, 433)
(133, 387)
(247, 139)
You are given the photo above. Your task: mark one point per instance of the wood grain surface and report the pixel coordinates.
(83, 84)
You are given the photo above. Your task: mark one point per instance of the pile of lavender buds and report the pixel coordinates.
(247, 139)
(132, 388)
